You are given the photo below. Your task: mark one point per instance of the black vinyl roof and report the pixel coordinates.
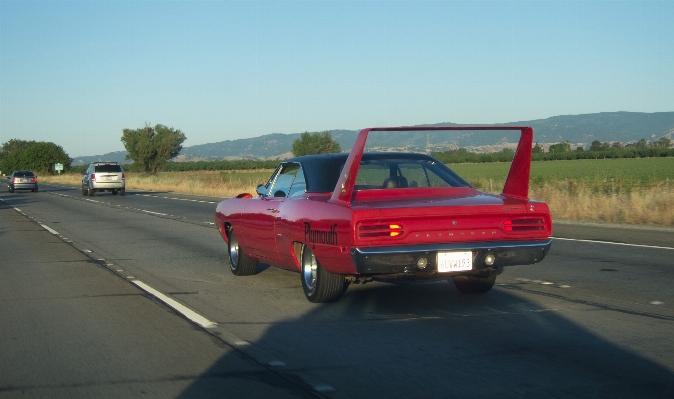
(322, 171)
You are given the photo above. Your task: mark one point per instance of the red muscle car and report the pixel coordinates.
(341, 219)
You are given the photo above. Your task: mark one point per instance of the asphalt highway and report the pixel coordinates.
(111, 296)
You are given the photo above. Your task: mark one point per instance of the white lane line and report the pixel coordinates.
(49, 229)
(154, 213)
(612, 243)
(178, 307)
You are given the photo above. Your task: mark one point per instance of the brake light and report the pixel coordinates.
(122, 176)
(14, 180)
(93, 176)
(517, 225)
(33, 180)
(383, 230)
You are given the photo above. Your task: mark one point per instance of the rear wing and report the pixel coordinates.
(516, 185)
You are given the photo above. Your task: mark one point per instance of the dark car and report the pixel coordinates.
(22, 180)
(340, 219)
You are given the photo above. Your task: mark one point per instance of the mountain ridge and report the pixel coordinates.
(577, 129)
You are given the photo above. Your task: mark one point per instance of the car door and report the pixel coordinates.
(259, 230)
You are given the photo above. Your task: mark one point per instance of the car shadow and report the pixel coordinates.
(426, 340)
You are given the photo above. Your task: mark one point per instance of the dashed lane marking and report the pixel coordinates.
(49, 229)
(154, 213)
(175, 305)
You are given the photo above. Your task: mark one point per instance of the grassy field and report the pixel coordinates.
(595, 174)
(604, 190)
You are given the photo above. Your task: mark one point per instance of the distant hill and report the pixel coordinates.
(578, 129)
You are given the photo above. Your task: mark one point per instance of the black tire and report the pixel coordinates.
(239, 263)
(122, 192)
(474, 284)
(114, 192)
(11, 189)
(34, 190)
(319, 285)
(84, 190)
(90, 191)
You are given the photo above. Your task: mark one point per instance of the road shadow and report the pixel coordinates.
(425, 340)
(18, 198)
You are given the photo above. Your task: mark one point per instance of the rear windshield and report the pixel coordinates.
(405, 173)
(24, 174)
(108, 168)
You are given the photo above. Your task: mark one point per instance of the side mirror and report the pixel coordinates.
(261, 190)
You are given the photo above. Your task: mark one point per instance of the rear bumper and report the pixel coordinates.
(24, 186)
(108, 185)
(403, 259)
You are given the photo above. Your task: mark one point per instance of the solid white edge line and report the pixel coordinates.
(612, 243)
(49, 229)
(175, 305)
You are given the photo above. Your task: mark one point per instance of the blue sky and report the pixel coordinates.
(78, 72)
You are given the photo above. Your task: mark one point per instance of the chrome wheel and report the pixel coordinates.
(309, 271)
(233, 251)
(239, 263)
(319, 284)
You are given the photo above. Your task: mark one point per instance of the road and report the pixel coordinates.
(83, 282)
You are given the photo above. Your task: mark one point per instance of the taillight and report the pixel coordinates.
(33, 180)
(14, 180)
(93, 176)
(380, 230)
(122, 176)
(516, 225)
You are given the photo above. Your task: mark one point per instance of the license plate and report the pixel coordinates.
(109, 178)
(22, 180)
(455, 261)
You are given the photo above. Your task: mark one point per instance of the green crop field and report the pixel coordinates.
(625, 174)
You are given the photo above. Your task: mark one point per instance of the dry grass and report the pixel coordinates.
(209, 183)
(653, 204)
(649, 206)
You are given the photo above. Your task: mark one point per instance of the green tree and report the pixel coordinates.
(560, 147)
(617, 145)
(10, 147)
(598, 146)
(538, 149)
(152, 147)
(315, 143)
(37, 156)
(663, 142)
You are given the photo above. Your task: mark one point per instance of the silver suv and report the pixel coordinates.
(103, 176)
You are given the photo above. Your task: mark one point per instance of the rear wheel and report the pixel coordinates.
(114, 192)
(239, 263)
(11, 189)
(474, 284)
(122, 192)
(84, 190)
(90, 191)
(319, 284)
